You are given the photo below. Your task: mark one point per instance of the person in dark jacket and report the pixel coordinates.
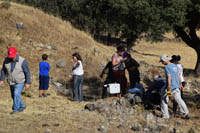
(132, 66)
(15, 68)
(109, 79)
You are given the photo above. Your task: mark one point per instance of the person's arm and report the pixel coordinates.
(179, 77)
(168, 79)
(76, 66)
(114, 60)
(106, 68)
(169, 82)
(3, 73)
(49, 67)
(26, 72)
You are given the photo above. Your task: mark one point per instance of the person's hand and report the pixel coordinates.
(27, 86)
(1, 83)
(181, 86)
(169, 93)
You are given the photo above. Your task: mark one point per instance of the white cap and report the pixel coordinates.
(164, 58)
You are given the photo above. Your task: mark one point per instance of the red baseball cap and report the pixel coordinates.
(12, 52)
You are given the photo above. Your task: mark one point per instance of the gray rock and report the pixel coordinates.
(20, 25)
(136, 127)
(102, 64)
(52, 56)
(57, 84)
(101, 128)
(191, 130)
(124, 102)
(160, 128)
(96, 52)
(90, 106)
(45, 125)
(49, 47)
(61, 64)
(47, 131)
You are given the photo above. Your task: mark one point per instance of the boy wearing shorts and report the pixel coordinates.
(44, 76)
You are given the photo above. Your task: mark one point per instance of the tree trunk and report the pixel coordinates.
(192, 40)
(197, 67)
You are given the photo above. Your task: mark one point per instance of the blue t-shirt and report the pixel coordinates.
(172, 70)
(44, 68)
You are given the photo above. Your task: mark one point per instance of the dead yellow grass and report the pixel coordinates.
(57, 112)
(151, 52)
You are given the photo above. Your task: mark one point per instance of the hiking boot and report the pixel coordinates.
(13, 112)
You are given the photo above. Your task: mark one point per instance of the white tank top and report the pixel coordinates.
(78, 70)
(180, 68)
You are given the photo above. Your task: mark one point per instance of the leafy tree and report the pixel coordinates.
(131, 19)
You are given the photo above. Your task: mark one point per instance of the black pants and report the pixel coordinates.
(134, 77)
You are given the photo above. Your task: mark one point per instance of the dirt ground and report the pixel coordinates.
(56, 113)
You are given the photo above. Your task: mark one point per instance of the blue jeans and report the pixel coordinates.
(78, 87)
(16, 91)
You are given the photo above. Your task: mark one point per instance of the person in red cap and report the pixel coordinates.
(15, 68)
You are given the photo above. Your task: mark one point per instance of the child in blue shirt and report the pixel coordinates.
(44, 76)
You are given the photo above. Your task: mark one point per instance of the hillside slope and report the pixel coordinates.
(43, 33)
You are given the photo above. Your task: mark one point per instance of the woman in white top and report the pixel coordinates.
(77, 72)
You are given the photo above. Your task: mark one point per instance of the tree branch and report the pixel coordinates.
(186, 38)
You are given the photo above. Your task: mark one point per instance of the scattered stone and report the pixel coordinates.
(27, 94)
(160, 128)
(101, 128)
(45, 125)
(49, 47)
(20, 25)
(90, 106)
(136, 128)
(61, 64)
(96, 52)
(47, 131)
(191, 130)
(57, 84)
(124, 102)
(102, 64)
(51, 56)
(56, 125)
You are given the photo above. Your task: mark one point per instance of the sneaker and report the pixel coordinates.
(13, 112)
(187, 117)
(22, 109)
(44, 95)
(41, 96)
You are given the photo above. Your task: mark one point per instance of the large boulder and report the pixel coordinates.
(61, 64)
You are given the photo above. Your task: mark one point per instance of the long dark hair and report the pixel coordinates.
(77, 56)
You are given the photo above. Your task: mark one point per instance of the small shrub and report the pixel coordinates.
(5, 5)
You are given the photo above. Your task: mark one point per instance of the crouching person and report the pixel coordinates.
(173, 88)
(15, 68)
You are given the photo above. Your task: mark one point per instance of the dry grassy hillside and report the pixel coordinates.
(56, 113)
